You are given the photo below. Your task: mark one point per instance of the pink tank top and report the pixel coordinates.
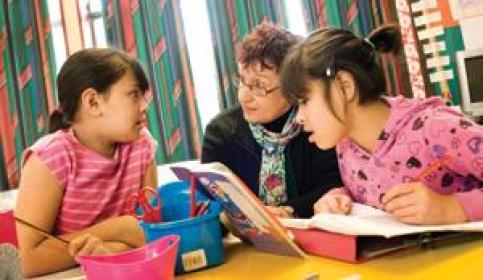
(95, 187)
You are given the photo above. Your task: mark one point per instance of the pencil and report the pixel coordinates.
(201, 209)
(192, 196)
(43, 232)
(430, 169)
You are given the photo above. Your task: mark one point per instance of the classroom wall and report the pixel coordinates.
(152, 31)
(433, 31)
(471, 30)
(27, 70)
(230, 21)
(443, 28)
(361, 17)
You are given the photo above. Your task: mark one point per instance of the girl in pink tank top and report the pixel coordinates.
(76, 179)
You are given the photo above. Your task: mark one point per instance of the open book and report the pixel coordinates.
(365, 233)
(368, 232)
(368, 221)
(246, 212)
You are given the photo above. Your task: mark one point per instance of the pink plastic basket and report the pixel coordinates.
(155, 260)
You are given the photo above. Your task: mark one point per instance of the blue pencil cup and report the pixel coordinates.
(200, 243)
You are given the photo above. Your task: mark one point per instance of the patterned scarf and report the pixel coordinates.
(272, 190)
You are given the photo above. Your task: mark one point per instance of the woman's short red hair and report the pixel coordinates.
(267, 44)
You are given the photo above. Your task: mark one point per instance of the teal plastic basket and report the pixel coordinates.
(201, 243)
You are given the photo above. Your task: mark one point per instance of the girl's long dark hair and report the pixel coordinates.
(328, 50)
(97, 68)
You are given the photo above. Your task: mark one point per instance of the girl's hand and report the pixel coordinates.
(333, 203)
(415, 203)
(129, 231)
(280, 211)
(87, 244)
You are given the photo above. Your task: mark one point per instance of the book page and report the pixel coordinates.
(366, 220)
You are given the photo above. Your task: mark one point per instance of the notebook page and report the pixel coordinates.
(366, 220)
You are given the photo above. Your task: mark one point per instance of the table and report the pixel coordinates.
(460, 261)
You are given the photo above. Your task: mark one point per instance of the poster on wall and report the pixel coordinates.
(462, 9)
(438, 38)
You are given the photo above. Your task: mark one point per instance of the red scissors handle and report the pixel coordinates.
(132, 204)
(150, 213)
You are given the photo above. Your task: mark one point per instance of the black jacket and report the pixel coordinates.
(310, 171)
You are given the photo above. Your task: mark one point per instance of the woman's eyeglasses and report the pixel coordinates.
(255, 89)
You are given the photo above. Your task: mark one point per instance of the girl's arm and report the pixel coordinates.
(451, 134)
(447, 133)
(149, 145)
(150, 178)
(39, 199)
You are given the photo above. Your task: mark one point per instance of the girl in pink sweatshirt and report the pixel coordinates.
(417, 159)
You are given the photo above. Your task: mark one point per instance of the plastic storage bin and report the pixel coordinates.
(201, 243)
(155, 260)
(8, 233)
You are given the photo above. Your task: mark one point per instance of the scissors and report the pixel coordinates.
(150, 213)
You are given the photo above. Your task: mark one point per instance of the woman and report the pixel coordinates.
(260, 141)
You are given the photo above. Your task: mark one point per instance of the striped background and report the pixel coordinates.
(26, 81)
(152, 31)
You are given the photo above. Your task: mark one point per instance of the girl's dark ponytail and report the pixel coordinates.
(57, 121)
(386, 39)
(329, 50)
(96, 68)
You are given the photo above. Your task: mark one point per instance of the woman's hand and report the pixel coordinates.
(415, 203)
(281, 211)
(336, 203)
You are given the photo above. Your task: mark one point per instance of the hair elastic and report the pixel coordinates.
(370, 43)
(330, 70)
